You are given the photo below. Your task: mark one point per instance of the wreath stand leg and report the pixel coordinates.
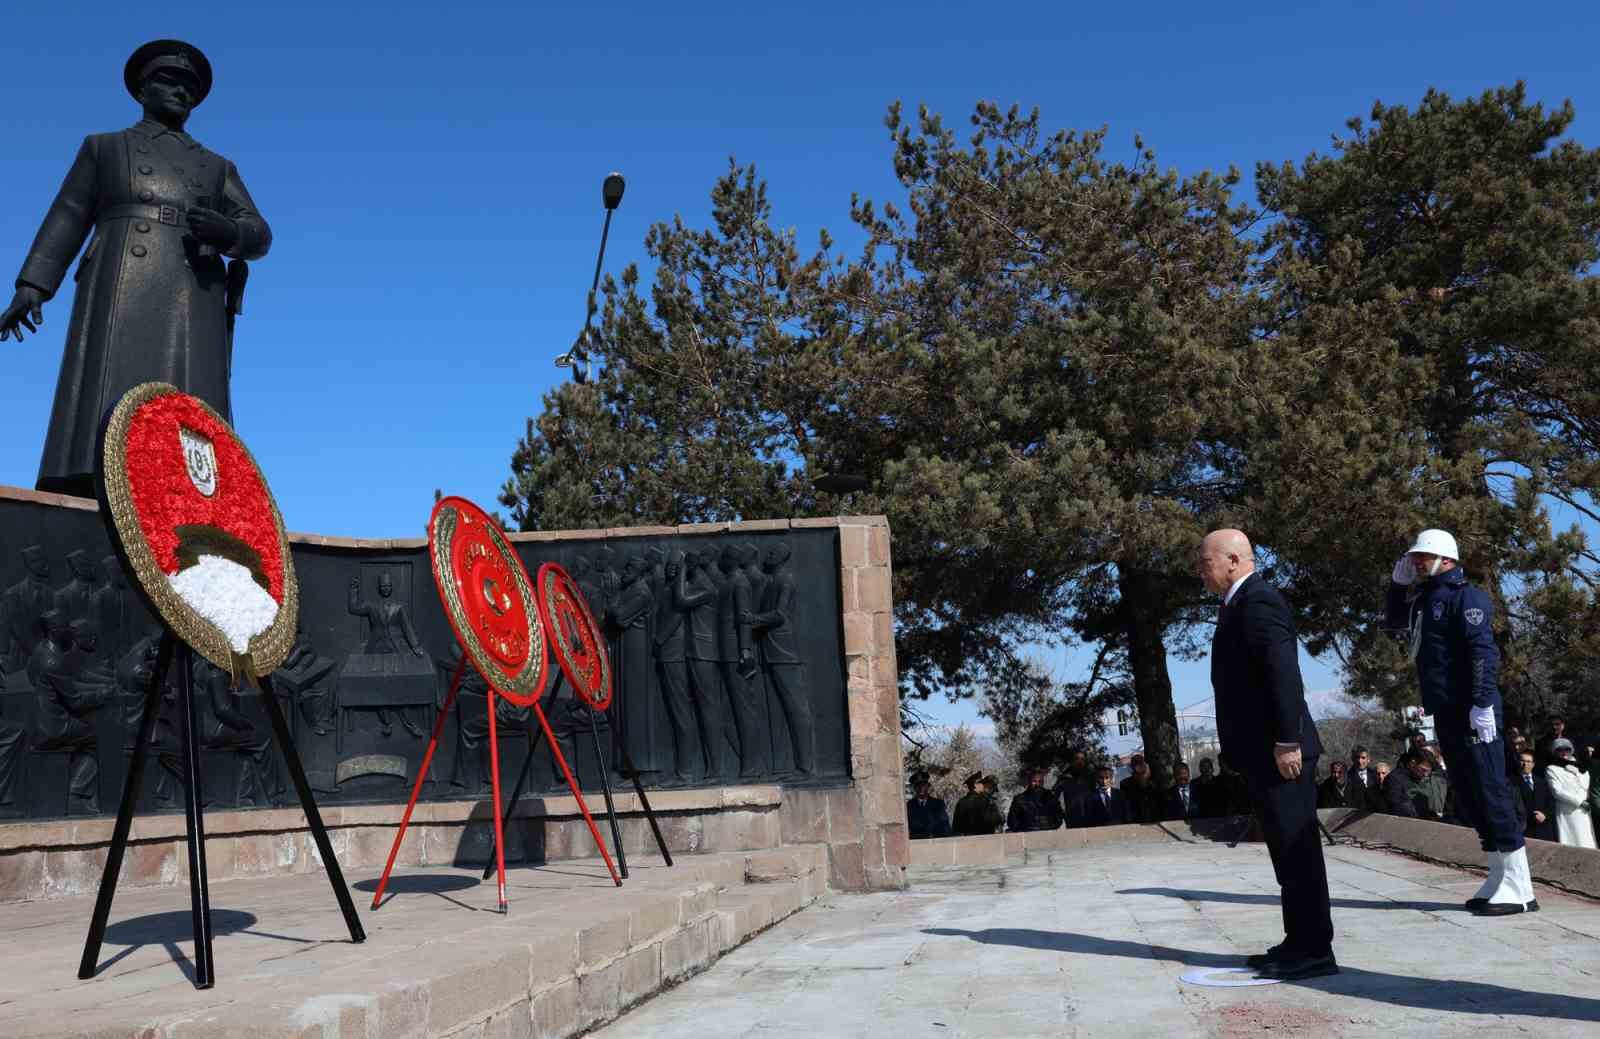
(494, 781)
(308, 804)
(422, 774)
(572, 784)
(534, 736)
(130, 799)
(638, 788)
(195, 824)
(605, 788)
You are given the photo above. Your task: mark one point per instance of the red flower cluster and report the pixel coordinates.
(165, 498)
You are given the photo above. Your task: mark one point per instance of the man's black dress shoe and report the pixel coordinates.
(1299, 968)
(1475, 904)
(1506, 908)
(1261, 959)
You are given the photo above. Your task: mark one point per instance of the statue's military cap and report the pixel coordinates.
(167, 54)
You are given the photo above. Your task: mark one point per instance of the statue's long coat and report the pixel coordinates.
(150, 303)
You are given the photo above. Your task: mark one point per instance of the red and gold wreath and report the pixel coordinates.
(488, 599)
(199, 529)
(575, 638)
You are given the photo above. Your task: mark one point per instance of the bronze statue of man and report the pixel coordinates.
(155, 297)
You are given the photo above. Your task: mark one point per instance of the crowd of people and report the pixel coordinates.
(1080, 797)
(1558, 801)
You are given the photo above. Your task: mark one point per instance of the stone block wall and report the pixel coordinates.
(860, 819)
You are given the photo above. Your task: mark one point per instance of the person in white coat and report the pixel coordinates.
(1569, 794)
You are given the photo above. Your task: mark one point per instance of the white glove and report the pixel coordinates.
(1404, 572)
(1482, 721)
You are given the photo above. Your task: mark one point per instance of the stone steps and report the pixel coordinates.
(572, 953)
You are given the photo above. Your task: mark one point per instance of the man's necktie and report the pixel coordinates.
(1527, 781)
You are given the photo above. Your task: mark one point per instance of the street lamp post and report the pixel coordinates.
(578, 358)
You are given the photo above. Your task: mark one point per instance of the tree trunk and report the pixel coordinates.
(1143, 624)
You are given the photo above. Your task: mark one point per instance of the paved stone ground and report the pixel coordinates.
(1092, 943)
(439, 960)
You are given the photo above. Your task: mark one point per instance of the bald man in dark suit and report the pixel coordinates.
(1268, 736)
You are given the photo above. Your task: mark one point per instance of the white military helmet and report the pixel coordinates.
(1436, 543)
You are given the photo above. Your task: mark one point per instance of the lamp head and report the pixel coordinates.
(611, 191)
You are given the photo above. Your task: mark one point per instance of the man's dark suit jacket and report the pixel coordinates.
(1371, 796)
(1255, 670)
(1171, 802)
(1330, 795)
(1536, 800)
(1087, 809)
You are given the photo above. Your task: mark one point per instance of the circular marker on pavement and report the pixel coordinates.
(1225, 977)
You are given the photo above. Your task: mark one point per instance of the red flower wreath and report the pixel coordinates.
(199, 528)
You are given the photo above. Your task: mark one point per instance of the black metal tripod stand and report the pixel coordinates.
(199, 893)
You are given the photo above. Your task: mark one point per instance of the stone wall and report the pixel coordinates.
(859, 816)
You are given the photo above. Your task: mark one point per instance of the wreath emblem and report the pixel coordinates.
(199, 460)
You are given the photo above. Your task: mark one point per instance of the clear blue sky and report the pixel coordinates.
(432, 174)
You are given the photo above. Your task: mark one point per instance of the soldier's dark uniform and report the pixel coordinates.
(150, 303)
(976, 816)
(1457, 668)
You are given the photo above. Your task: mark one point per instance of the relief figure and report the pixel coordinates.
(696, 595)
(670, 631)
(775, 627)
(736, 642)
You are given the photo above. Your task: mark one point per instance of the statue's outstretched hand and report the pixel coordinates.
(26, 311)
(212, 228)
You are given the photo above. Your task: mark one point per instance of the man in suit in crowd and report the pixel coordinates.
(1074, 780)
(1340, 791)
(1181, 801)
(1536, 804)
(1139, 794)
(1233, 793)
(1517, 745)
(1365, 776)
(925, 814)
(1102, 806)
(1202, 784)
(1035, 808)
(1268, 735)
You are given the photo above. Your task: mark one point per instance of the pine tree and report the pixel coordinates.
(1451, 245)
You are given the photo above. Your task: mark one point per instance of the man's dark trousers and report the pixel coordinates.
(1477, 773)
(1287, 809)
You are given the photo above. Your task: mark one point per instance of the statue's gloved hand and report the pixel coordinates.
(212, 228)
(1482, 721)
(26, 311)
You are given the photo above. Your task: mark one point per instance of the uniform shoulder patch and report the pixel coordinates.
(1473, 616)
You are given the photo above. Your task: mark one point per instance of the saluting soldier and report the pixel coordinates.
(154, 294)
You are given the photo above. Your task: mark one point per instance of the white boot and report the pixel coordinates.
(1515, 894)
(1497, 872)
(1520, 879)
